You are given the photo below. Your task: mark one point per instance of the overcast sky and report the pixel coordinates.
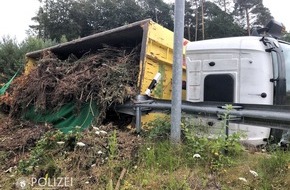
(15, 15)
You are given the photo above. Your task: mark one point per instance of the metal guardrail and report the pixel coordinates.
(271, 116)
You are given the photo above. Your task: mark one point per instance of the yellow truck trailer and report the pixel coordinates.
(156, 53)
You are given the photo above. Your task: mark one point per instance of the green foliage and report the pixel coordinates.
(117, 13)
(263, 15)
(242, 5)
(42, 153)
(224, 4)
(33, 44)
(76, 19)
(220, 24)
(274, 166)
(11, 58)
(81, 18)
(12, 54)
(3, 157)
(161, 155)
(286, 37)
(245, 10)
(215, 153)
(54, 20)
(113, 145)
(159, 128)
(219, 153)
(158, 11)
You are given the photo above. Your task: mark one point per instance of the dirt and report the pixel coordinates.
(17, 137)
(20, 135)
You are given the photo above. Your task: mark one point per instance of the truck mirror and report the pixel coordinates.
(274, 28)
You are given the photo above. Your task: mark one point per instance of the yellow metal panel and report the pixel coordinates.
(161, 35)
(30, 64)
(159, 58)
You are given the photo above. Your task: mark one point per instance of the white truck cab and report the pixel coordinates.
(249, 70)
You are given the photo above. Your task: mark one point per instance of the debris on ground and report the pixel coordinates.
(87, 157)
(17, 138)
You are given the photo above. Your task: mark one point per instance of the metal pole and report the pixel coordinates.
(138, 119)
(177, 70)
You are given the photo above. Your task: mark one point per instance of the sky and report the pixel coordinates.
(15, 15)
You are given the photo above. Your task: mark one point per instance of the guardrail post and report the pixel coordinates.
(138, 119)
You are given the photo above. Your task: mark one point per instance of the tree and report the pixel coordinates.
(84, 14)
(158, 11)
(263, 16)
(219, 23)
(12, 54)
(33, 43)
(189, 20)
(10, 58)
(54, 20)
(251, 13)
(117, 13)
(202, 19)
(286, 37)
(224, 4)
(79, 18)
(196, 18)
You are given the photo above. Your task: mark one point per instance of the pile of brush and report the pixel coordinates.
(106, 77)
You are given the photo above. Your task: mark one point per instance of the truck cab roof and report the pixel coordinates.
(231, 43)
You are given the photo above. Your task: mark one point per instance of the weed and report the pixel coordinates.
(3, 157)
(161, 155)
(42, 154)
(216, 152)
(159, 129)
(113, 145)
(274, 168)
(114, 165)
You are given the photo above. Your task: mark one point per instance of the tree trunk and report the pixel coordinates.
(196, 20)
(188, 32)
(248, 21)
(202, 18)
(225, 6)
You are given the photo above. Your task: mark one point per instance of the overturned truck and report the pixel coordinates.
(75, 83)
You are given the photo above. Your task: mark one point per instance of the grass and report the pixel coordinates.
(196, 163)
(172, 170)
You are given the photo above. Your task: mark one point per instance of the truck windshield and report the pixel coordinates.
(286, 52)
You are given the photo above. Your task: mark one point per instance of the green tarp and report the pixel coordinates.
(5, 86)
(66, 118)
